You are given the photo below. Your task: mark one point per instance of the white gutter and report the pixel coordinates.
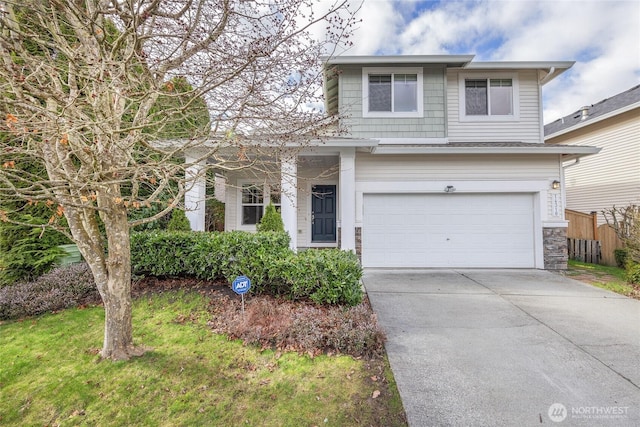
(548, 77)
(457, 60)
(474, 149)
(563, 190)
(521, 65)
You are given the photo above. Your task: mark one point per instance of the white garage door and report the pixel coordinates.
(448, 230)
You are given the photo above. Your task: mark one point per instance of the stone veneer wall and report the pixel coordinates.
(359, 242)
(555, 248)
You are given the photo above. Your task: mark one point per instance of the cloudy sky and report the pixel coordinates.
(602, 36)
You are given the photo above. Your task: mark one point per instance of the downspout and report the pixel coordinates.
(563, 188)
(572, 164)
(548, 77)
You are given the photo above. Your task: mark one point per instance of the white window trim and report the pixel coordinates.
(489, 118)
(392, 70)
(266, 199)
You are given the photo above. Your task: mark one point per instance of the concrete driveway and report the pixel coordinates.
(508, 347)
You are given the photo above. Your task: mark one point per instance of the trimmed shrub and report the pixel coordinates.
(208, 256)
(621, 256)
(214, 215)
(252, 255)
(178, 221)
(271, 220)
(327, 276)
(633, 273)
(164, 253)
(61, 288)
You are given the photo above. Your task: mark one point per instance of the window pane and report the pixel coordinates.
(476, 97)
(251, 214)
(380, 92)
(275, 196)
(501, 97)
(405, 92)
(251, 194)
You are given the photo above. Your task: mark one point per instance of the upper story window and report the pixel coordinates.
(488, 98)
(388, 92)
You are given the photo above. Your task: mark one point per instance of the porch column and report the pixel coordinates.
(289, 197)
(347, 194)
(195, 195)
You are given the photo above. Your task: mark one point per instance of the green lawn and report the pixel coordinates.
(50, 374)
(602, 276)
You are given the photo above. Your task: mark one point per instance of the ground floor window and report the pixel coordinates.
(255, 197)
(252, 204)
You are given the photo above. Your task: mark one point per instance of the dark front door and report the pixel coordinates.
(323, 213)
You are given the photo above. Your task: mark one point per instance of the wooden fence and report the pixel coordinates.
(584, 250)
(585, 227)
(609, 242)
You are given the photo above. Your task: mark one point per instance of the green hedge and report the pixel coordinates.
(327, 276)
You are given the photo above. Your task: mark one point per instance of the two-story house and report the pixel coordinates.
(444, 165)
(612, 178)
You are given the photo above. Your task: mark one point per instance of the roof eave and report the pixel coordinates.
(577, 151)
(594, 120)
(518, 65)
(449, 60)
(340, 143)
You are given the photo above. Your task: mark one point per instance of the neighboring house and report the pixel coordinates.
(613, 176)
(444, 166)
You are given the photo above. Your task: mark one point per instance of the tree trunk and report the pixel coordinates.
(116, 293)
(118, 337)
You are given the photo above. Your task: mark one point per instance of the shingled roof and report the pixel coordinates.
(592, 112)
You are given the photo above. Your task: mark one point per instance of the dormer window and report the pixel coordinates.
(390, 92)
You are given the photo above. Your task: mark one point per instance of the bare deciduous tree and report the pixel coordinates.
(101, 98)
(625, 221)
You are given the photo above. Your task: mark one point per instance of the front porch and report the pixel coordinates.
(314, 190)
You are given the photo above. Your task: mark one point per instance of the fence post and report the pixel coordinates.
(594, 218)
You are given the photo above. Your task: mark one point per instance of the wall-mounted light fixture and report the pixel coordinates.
(449, 189)
(555, 184)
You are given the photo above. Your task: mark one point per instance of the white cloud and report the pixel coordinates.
(602, 36)
(376, 33)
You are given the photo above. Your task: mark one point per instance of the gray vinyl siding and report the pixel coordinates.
(431, 125)
(611, 177)
(526, 128)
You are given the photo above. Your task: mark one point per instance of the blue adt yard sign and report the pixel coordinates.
(241, 285)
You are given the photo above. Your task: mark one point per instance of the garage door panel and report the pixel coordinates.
(452, 230)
